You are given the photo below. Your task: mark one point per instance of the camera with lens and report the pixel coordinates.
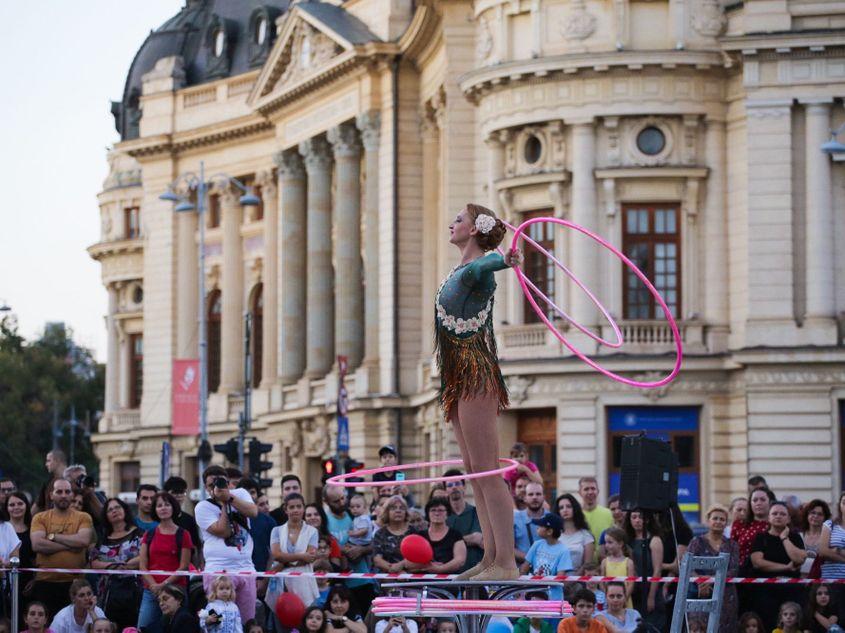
(221, 482)
(86, 481)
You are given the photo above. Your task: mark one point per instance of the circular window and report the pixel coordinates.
(532, 150)
(137, 295)
(651, 141)
(219, 42)
(261, 31)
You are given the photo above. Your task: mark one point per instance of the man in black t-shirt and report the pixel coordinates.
(290, 484)
(178, 487)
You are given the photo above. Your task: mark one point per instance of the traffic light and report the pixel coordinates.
(353, 466)
(330, 468)
(229, 450)
(257, 465)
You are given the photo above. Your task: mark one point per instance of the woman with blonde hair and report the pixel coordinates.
(395, 525)
(472, 391)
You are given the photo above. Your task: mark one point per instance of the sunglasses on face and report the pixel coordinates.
(453, 484)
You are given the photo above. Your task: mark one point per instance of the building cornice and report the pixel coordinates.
(102, 250)
(807, 43)
(547, 68)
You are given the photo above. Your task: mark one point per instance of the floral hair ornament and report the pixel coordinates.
(485, 223)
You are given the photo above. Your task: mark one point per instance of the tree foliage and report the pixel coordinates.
(35, 377)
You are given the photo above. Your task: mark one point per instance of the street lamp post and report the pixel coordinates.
(198, 182)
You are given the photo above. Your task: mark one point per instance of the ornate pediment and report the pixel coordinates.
(316, 39)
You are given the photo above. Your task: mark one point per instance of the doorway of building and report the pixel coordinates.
(537, 429)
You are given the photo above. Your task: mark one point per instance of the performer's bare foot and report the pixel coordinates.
(472, 571)
(495, 572)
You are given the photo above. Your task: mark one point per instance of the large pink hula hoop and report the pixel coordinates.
(340, 480)
(524, 284)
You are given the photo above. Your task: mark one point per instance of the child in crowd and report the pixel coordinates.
(584, 604)
(447, 626)
(527, 624)
(252, 626)
(361, 532)
(750, 622)
(102, 625)
(789, 618)
(322, 582)
(822, 611)
(592, 569)
(547, 556)
(616, 561)
(221, 614)
(36, 618)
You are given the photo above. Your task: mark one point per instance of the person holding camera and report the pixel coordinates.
(85, 485)
(224, 525)
(396, 624)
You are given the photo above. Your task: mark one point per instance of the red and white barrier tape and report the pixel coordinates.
(700, 580)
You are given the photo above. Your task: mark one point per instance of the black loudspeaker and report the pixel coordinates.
(649, 474)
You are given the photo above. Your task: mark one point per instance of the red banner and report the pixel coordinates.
(186, 397)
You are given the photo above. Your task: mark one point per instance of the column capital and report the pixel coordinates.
(369, 124)
(498, 138)
(581, 122)
(266, 181)
(316, 153)
(817, 101)
(289, 165)
(229, 194)
(344, 141)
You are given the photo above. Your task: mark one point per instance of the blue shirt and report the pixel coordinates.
(549, 560)
(261, 527)
(146, 526)
(339, 528)
(524, 532)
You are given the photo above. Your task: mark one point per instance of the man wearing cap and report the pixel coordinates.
(388, 457)
(548, 557)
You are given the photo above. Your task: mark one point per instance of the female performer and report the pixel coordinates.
(473, 391)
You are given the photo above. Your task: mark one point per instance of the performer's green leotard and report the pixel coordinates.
(465, 344)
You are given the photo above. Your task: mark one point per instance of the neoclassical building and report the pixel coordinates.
(687, 132)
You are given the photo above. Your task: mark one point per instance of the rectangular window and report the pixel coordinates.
(538, 267)
(128, 476)
(213, 210)
(651, 238)
(132, 222)
(136, 370)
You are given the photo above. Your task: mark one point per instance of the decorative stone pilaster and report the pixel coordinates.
(187, 276)
(269, 329)
(819, 216)
(231, 336)
(320, 276)
(369, 124)
(716, 238)
(113, 354)
(583, 210)
(431, 237)
(349, 295)
(291, 265)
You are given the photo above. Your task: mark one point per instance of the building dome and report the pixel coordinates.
(215, 38)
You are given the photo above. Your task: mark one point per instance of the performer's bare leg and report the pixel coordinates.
(480, 505)
(478, 417)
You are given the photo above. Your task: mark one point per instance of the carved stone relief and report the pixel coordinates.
(708, 19)
(578, 24)
(485, 45)
(309, 49)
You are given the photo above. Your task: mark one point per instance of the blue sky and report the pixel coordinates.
(61, 63)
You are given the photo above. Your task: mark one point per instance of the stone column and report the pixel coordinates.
(716, 238)
(819, 215)
(113, 369)
(495, 171)
(123, 371)
(269, 196)
(584, 212)
(349, 294)
(369, 124)
(320, 284)
(231, 321)
(430, 196)
(292, 266)
(187, 281)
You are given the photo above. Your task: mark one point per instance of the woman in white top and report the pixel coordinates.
(10, 544)
(293, 547)
(618, 619)
(576, 533)
(81, 611)
(832, 542)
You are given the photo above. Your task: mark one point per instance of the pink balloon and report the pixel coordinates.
(524, 284)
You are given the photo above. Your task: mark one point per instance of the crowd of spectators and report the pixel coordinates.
(71, 525)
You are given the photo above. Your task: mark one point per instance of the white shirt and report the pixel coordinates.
(8, 540)
(381, 626)
(576, 543)
(218, 555)
(64, 622)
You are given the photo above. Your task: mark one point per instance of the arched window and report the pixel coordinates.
(215, 308)
(256, 307)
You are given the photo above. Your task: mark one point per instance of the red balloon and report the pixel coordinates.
(290, 609)
(416, 549)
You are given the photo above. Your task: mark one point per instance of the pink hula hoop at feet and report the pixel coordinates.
(666, 311)
(340, 480)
